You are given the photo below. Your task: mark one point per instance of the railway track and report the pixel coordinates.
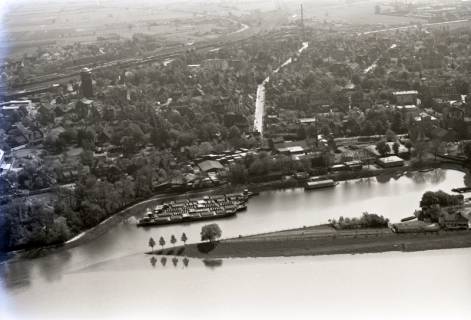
(46, 81)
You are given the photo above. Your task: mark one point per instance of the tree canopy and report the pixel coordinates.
(211, 232)
(441, 198)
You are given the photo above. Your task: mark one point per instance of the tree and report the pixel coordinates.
(152, 243)
(383, 148)
(408, 145)
(162, 242)
(390, 135)
(437, 147)
(461, 85)
(396, 148)
(234, 135)
(184, 238)
(238, 174)
(210, 232)
(467, 150)
(441, 198)
(87, 158)
(421, 150)
(173, 240)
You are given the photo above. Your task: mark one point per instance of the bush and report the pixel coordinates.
(367, 220)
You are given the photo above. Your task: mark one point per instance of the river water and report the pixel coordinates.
(111, 278)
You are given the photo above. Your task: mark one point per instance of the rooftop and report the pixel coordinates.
(399, 93)
(391, 159)
(209, 165)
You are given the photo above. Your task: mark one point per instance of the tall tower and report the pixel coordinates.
(86, 86)
(303, 35)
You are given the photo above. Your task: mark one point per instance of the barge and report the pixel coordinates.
(461, 190)
(193, 210)
(312, 185)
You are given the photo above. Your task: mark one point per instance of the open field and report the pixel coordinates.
(359, 12)
(28, 24)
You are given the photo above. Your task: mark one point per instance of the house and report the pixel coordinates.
(453, 220)
(307, 121)
(409, 111)
(391, 161)
(292, 147)
(406, 97)
(354, 165)
(210, 166)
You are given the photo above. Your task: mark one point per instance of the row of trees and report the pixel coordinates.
(162, 242)
(209, 232)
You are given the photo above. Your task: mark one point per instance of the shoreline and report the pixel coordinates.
(104, 226)
(320, 240)
(101, 228)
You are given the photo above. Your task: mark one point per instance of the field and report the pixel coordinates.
(29, 24)
(359, 12)
(321, 240)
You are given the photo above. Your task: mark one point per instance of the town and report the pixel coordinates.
(285, 157)
(341, 102)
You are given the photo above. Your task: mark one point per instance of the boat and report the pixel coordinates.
(312, 185)
(461, 190)
(192, 210)
(408, 218)
(251, 194)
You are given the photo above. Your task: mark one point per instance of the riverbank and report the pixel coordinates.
(321, 240)
(140, 207)
(386, 173)
(104, 226)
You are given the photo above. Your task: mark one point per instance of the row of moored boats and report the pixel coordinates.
(189, 210)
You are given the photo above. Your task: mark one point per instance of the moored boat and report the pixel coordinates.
(190, 210)
(312, 185)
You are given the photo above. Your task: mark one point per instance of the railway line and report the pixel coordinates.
(48, 81)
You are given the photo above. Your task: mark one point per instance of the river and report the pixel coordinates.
(110, 277)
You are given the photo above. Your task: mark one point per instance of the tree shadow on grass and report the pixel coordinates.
(206, 247)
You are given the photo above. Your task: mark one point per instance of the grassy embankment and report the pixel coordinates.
(321, 240)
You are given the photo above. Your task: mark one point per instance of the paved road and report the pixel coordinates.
(260, 100)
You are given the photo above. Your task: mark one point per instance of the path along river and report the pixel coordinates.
(110, 277)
